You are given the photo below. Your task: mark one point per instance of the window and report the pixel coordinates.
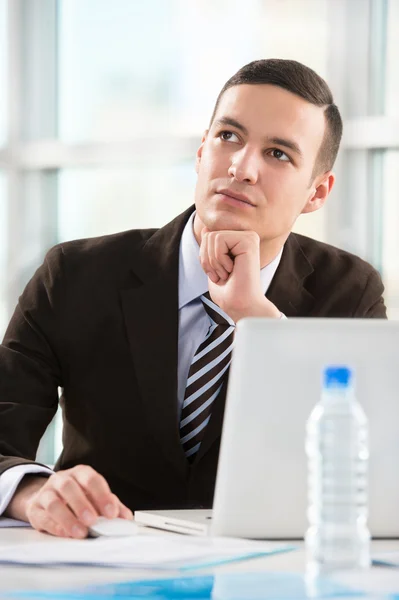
(105, 200)
(3, 71)
(3, 253)
(390, 238)
(108, 102)
(390, 210)
(392, 59)
(117, 69)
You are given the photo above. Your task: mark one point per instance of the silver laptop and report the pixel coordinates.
(275, 380)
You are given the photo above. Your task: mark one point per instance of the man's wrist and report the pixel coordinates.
(263, 308)
(28, 487)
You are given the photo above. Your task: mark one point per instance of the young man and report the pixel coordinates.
(120, 322)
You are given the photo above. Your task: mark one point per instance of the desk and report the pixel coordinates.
(31, 578)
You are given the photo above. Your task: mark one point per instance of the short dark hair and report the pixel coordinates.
(304, 82)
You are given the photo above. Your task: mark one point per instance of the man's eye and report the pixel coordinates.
(228, 136)
(279, 154)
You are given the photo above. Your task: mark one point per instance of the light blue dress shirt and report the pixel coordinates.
(193, 326)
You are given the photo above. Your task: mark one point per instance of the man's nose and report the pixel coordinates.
(244, 167)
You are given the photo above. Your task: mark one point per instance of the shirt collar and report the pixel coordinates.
(193, 281)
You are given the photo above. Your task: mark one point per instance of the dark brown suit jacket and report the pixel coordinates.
(100, 320)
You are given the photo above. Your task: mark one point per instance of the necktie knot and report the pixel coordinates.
(215, 313)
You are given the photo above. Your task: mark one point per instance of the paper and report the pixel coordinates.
(374, 582)
(141, 551)
(12, 523)
(277, 586)
(236, 586)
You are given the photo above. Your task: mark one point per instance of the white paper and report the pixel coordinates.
(4, 522)
(137, 551)
(375, 580)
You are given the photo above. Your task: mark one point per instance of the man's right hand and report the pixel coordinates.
(66, 503)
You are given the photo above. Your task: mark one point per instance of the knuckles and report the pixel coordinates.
(87, 474)
(84, 470)
(226, 235)
(64, 481)
(204, 262)
(52, 504)
(64, 484)
(91, 478)
(254, 236)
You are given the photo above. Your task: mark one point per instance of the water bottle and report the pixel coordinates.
(337, 451)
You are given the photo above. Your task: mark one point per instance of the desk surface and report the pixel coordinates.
(45, 578)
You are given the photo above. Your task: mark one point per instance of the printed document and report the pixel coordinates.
(141, 551)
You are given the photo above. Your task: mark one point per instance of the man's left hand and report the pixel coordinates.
(231, 259)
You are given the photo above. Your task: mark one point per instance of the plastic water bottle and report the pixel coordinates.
(337, 450)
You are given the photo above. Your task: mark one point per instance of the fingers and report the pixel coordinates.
(204, 259)
(221, 252)
(67, 488)
(215, 258)
(41, 521)
(51, 514)
(124, 512)
(97, 490)
(71, 501)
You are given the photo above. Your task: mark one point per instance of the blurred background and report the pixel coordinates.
(103, 104)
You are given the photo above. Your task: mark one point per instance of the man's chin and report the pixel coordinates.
(224, 220)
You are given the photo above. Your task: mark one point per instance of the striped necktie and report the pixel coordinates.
(205, 377)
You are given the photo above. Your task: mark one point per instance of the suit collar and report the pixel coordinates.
(159, 255)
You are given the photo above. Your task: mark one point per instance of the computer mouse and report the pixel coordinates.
(113, 527)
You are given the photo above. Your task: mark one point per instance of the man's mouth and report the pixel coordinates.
(236, 196)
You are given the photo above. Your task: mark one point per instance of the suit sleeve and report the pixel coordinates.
(30, 372)
(371, 304)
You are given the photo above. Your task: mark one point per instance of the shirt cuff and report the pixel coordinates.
(10, 480)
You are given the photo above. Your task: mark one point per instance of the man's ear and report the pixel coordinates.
(199, 151)
(321, 189)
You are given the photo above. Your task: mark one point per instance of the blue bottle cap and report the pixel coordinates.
(337, 377)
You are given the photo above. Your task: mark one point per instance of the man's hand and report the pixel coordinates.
(66, 503)
(231, 260)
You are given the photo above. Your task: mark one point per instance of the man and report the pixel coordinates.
(118, 322)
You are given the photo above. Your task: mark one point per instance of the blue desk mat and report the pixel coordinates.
(222, 586)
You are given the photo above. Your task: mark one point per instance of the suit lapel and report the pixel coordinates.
(287, 289)
(150, 309)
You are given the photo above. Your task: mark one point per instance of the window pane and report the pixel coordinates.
(390, 239)
(36, 57)
(392, 97)
(127, 68)
(3, 70)
(3, 255)
(292, 29)
(100, 201)
(116, 66)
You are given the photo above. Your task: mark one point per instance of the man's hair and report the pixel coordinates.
(304, 82)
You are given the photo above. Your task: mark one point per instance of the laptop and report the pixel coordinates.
(275, 380)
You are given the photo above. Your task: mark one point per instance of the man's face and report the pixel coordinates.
(246, 154)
